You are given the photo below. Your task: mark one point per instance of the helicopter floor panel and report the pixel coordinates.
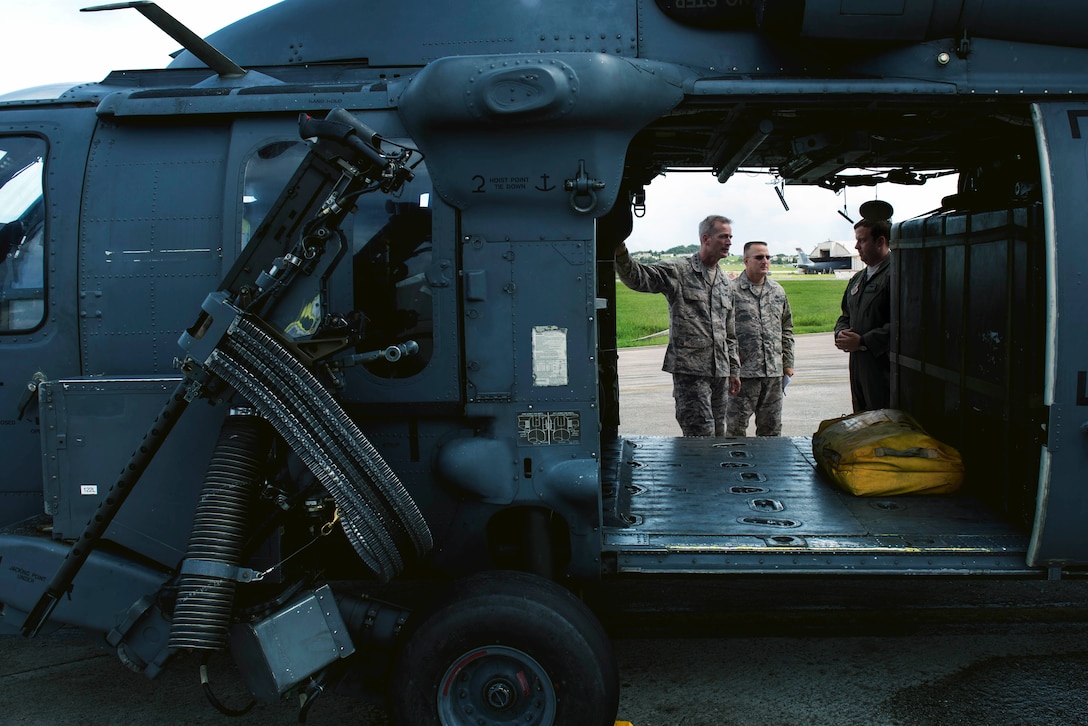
(755, 504)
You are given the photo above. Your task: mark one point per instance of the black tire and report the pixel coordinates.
(505, 647)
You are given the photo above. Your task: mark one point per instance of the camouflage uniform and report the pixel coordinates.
(702, 351)
(765, 338)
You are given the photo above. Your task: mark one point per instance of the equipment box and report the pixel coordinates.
(968, 327)
(90, 429)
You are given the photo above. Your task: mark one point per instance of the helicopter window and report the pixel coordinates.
(22, 227)
(266, 173)
(391, 245)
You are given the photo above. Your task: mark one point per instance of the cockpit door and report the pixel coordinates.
(41, 167)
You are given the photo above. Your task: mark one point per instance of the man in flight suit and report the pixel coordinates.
(864, 328)
(702, 351)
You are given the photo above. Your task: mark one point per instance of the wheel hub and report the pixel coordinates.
(500, 694)
(495, 685)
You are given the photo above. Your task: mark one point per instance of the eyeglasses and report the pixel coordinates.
(761, 257)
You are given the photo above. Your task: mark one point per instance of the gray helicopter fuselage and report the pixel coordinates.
(462, 318)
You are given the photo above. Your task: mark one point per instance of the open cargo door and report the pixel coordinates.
(1062, 509)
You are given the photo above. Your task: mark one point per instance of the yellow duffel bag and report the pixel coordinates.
(885, 452)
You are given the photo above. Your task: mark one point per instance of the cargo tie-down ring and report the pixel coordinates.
(581, 188)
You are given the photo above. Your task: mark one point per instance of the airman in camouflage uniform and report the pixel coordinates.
(702, 351)
(765, 338)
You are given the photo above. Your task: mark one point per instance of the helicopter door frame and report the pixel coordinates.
(1058, 533)
(49, 349)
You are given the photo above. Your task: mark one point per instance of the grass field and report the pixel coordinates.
(814, 301)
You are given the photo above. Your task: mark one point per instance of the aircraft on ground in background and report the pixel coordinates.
(817, 267)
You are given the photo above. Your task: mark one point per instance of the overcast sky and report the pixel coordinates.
(50, 41)
(675, 204)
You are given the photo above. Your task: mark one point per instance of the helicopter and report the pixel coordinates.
(328, 305)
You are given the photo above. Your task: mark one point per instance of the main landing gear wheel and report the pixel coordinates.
(506, 647)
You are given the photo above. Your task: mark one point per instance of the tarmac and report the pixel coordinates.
(819, 389)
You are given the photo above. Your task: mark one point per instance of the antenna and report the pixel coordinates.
(202, 49)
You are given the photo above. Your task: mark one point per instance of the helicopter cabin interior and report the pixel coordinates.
(968, 350)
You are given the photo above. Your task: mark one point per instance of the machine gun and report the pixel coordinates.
(237, 343)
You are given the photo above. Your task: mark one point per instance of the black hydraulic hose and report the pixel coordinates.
(206, 686)
(207, 583)
(107, 509)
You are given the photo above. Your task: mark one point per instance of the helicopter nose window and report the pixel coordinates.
(22, 233)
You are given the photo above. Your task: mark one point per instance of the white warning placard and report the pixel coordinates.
(549, 356)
